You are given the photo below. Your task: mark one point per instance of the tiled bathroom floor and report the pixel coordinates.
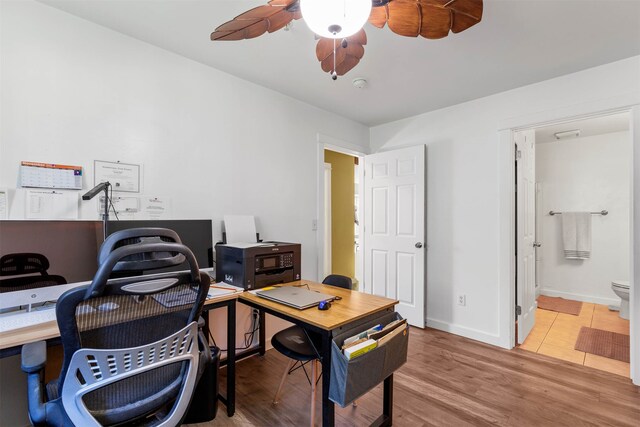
(555, 335)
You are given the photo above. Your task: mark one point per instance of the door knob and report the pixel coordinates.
(537, 244)
(418, 245)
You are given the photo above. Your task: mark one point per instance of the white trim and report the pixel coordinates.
(507, 250)
(326, 142)
(471, 333)
(634, 294)
(579, 297)
(341, 146)
(572, 112)
(326, 265)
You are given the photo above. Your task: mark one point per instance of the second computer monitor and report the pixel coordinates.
(196, 234)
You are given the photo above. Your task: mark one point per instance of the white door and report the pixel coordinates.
(394, 229)
(526, 220)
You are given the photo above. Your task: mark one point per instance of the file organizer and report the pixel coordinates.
(350, 379)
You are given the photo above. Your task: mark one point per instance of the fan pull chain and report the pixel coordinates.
(334, 75)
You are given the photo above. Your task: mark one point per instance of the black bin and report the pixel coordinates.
(204, 404)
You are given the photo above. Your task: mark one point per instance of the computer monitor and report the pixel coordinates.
(69, 248)
(196, 234)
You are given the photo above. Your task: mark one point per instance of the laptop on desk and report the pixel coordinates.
(295, 297)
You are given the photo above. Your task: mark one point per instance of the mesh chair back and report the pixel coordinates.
(132, 312)
(23, 263)
(26, 266)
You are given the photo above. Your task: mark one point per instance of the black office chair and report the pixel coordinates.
(132, 353)
(27, 271)
(302, 346)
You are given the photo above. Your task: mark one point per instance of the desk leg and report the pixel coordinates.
(231, 359)
(328, 408)
(387, 409)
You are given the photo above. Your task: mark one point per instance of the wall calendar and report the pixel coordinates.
(49, 175)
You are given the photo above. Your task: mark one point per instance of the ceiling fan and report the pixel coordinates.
(338, 23)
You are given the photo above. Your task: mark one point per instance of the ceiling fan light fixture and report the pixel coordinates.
(335, 19)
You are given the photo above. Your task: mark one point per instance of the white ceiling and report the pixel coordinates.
(588, 127)
(518, 42)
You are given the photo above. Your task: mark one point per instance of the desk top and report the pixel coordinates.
(47, 330)
(352, 306)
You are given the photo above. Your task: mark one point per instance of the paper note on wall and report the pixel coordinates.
(156, 207)
(46, 204)
(4, 203)
(121, 204)
(240, 228)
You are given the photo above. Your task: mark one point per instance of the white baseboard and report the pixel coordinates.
(579, 297)
(463, 331)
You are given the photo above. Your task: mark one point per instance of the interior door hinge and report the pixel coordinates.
(518, 310)
(518, 155)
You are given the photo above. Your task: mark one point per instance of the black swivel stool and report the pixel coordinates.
(301, 347)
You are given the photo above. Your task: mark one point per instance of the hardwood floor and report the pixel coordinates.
(449, 381)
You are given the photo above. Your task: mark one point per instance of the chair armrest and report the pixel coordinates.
(34, 356)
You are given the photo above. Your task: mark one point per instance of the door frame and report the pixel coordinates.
(326, 142)
(326, 264)
(628, 103)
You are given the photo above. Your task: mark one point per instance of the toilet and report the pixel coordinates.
(621, 288)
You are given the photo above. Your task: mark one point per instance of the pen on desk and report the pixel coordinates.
(223, 287)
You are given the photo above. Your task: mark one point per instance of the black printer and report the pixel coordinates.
(256, 265)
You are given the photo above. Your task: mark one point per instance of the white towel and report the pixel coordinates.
(576, 235)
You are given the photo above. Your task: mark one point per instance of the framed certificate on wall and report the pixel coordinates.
(122, 176)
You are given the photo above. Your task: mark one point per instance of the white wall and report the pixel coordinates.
(73, 92)
(585, 174)
(465, 207)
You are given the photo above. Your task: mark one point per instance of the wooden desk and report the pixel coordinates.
(353, 307)
(12, 341)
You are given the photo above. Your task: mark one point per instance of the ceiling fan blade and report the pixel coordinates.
(234, 25)
(346, 57)
(470, 8)
(360, 37)
(436, 22)
(347, 65)
(463, 14)
(257, 29)
(255, 22)
(324, 48)
(259, 12)
(356, 50)
(327, 63)
(405, 17)
(239, 30)
(279, 20)
(284, 3)
(378, 16)
(462, 21)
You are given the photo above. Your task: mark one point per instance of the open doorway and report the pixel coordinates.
(341, 216)
(573, 228)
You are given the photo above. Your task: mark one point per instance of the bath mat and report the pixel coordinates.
(603, 343)
(560, 305)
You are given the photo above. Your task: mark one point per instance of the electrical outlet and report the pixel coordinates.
(462, 299)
